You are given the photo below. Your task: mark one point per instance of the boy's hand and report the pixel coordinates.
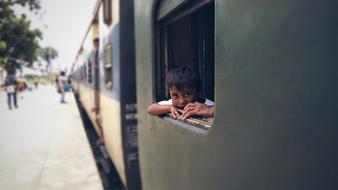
(175, 112)
(198, 109)
(193, 109)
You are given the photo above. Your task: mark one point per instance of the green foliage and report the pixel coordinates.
(47, 53)
(33, 4)
(3, 45)
(18, 42)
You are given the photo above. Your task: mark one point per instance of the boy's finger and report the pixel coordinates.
(189, 106)
(172, 113)
(185, 116)
(180, 111)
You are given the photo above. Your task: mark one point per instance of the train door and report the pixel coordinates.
(96, 76)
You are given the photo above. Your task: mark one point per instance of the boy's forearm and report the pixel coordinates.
(208, 112)
(156, 109)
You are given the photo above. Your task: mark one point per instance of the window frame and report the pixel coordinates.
(162, 63)
(162, 22)
(108, 66)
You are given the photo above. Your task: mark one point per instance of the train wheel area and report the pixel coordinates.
(43, 144)
(107, 170)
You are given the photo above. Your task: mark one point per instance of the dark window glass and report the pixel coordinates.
(80, 73)
(90, 73)
(84, 72)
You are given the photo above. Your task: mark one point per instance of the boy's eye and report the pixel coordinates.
(173, 96)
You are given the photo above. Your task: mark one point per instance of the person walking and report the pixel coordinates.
(62, 81)
(36, 82)
(11, 90)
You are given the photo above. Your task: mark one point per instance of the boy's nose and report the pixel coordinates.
(182, 101)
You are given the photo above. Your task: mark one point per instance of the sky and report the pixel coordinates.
(63, 24)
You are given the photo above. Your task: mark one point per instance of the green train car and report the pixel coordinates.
(275, 69)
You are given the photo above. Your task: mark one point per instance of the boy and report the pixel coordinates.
(184, 87)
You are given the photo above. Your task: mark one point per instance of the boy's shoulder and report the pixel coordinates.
(209, 102)
(165, 102)
(202, 100)
(205, 101)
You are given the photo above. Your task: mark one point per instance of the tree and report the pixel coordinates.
(18, 42)
(47, 54)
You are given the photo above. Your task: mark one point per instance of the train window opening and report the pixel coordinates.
(84, 72)
(80, 73)
(185, 36)
(108, 67)
(90, 73)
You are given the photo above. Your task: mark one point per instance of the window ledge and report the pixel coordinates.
(198, 125)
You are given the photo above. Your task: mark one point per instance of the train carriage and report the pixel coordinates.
(107, 86)
(275, 72)
(118, 94)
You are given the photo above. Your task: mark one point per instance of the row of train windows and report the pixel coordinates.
(183, 35)
(87, 73)
(187, 39)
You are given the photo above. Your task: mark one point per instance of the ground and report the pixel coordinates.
(43, 144)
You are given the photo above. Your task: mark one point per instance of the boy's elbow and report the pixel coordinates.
(150, 110)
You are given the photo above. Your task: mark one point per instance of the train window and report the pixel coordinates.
(82, 72)
(185, 36)
(79, 72)
(108, 67)
(107, 13)
(90, 73)
(85, 72)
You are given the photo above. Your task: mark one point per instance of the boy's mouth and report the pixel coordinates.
(180, 106)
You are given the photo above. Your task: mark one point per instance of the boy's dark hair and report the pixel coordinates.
(183, 77)
(96, 40)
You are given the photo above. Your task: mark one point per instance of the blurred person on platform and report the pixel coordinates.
(36, 81)
(62, 83)
(11, 90)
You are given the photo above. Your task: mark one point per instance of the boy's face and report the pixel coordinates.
(181, 98)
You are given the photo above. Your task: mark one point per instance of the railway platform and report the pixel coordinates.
(43, 145)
